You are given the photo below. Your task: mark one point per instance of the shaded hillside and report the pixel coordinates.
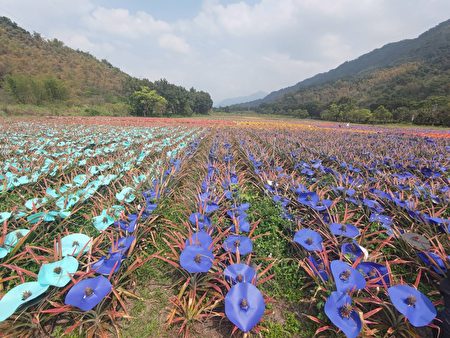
(401, 74)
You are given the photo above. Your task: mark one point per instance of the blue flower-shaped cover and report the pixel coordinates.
(338, 309)
(346, 278)
(309, 239)
(239, 273)
(18, 296)
(87, 293)
(413, 304)
(244, 306)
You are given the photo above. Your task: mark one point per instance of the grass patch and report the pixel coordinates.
(287, 285)
(275, 243)
(292, 326)
(153, 287)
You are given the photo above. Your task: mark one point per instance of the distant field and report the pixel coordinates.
(251, 119)
(221, 224)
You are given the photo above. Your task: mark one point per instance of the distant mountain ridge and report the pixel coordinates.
(241, 99)
(430, 52)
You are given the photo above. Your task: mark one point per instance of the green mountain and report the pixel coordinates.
(405, 74)
(36, 71)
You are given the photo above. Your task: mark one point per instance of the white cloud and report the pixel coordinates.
(241, 19)
(76, 41)
(173, 43)
(231, 49)
(335, 49)
(82, 42)
(121, 23)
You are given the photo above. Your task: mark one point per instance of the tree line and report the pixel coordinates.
(434, 110)
(161, 98)
(145, 98)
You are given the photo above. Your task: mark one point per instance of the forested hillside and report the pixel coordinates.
(41, 72)
(409, 80)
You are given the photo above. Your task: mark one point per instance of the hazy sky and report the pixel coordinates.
(227, 47)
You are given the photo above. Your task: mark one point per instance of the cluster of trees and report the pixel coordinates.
(145, 98)
(147, 102)
(161, 98)
(36, 90)
(434, 110)
(347, 111)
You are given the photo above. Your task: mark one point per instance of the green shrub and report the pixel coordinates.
(35, 90)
